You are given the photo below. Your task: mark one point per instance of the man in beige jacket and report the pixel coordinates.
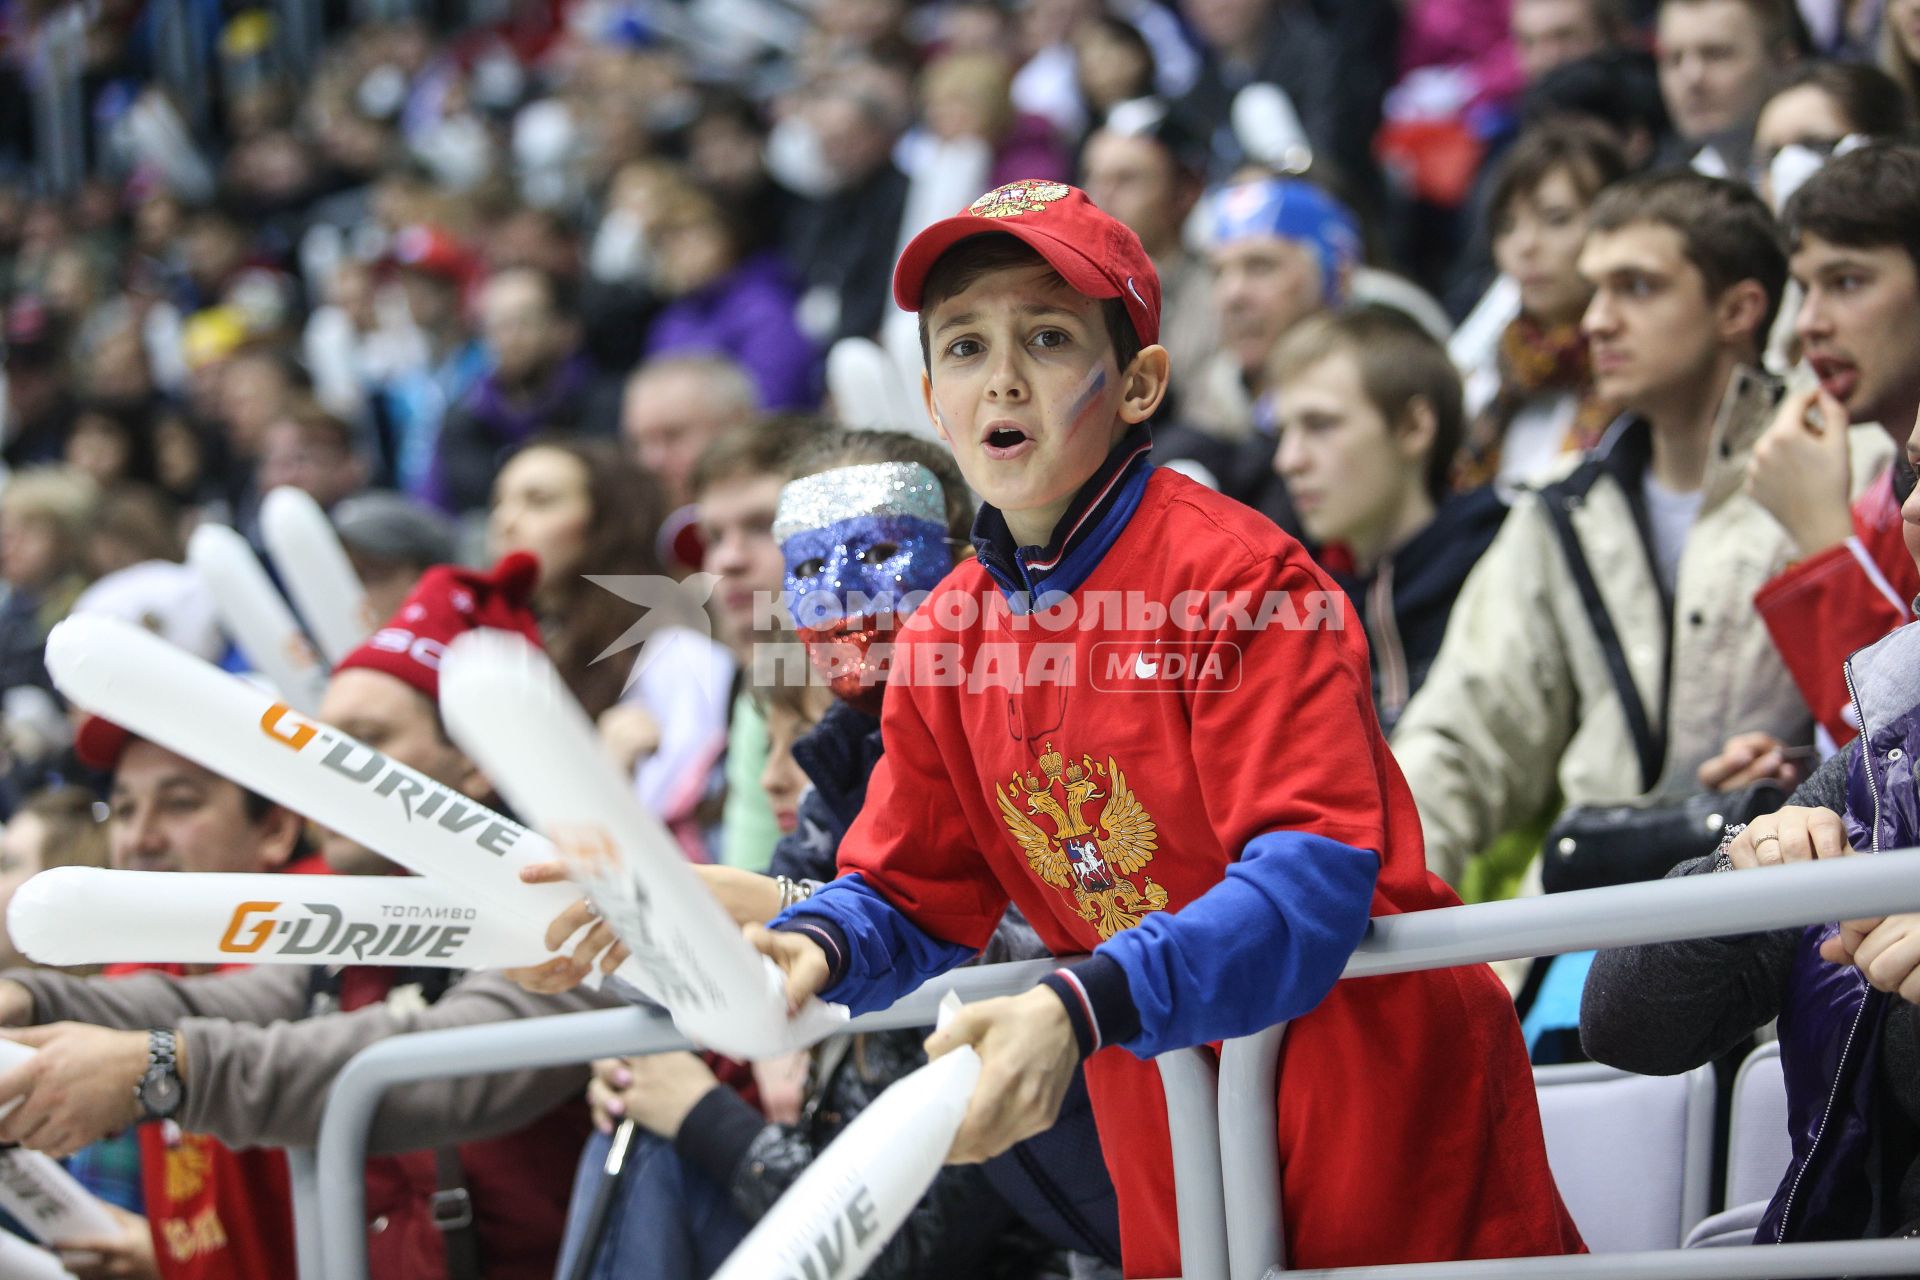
(1520, 713)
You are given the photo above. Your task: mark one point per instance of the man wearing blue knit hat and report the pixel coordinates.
(1281, 249)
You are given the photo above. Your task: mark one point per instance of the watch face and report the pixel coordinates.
(160, 1093)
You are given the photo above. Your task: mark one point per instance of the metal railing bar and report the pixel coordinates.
(1707, 906)
(508, 1046)
(1774, 1261)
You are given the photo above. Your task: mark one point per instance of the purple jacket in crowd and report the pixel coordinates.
(748, 315)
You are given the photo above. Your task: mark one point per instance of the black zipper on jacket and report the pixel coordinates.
(1840, 1066)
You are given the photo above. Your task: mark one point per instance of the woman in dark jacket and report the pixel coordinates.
(1845, 994)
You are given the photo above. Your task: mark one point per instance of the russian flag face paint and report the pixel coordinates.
(862, 546)
(1085, 396)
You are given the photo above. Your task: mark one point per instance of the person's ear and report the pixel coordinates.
(933, 410)
(468, 778)
(1144, 384)
(280, 832)
(1739, 312)
(1417, 428)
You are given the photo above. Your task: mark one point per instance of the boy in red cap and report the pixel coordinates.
(1141, 717)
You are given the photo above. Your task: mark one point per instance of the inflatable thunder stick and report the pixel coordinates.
(84, 915)
(837, 1216)
(22, 1261)
(41, 1196)
(255, 616)
(170, 697)
(505, 706)
(314, 565)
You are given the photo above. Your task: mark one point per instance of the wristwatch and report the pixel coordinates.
(160, 1091)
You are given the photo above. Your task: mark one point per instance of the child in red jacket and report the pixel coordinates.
(1141, 717)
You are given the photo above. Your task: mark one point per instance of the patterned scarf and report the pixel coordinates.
(1534, 360)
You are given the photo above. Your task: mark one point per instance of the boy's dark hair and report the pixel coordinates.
(959, 267)
(1866, 199)
(765, 446)
(1399, 362)
(1870, 99)
(845, 448)
(1582, 149)
(1725, 229)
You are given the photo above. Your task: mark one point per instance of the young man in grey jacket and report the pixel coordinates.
(1521, 710)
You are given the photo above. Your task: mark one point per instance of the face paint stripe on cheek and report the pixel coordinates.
(1084, 398)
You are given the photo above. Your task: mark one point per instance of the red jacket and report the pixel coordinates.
(1408, 1129)
(1824, 608)
(214, 1213)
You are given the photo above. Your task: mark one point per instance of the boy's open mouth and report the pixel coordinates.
(1004, 440)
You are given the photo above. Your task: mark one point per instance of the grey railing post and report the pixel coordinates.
(1192, 1086)
(1250, 1152)
(304, 1178)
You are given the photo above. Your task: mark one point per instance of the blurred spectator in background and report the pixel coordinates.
(1370, 421)
(727, 302)
(966, 95)
(44, 517)
(112, 442)
(1281, 249)
(1530, 395)
(391, 540)
(433, 271)
(1145, 165)
(313, 451)
(1717, 58)
(1329, 61)
(674, 408)
(1548, 34)
(1813, 107)
(39, 399)
(1899, 46)
(540, 381)
(846, 230)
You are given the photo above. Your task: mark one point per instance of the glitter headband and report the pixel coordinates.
(872, 489)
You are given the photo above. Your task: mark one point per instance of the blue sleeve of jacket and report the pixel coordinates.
(1264, 945)
(875, 955)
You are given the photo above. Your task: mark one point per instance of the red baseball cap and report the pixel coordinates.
(447, 603)
(1094, 252)
(431, 250)
(98, 743)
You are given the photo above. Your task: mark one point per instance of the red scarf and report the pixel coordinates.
(1534, 360)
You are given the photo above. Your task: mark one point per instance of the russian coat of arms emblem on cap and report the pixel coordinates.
(1029, 195)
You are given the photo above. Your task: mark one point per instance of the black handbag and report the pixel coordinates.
(1591, 845)
(1600, 844)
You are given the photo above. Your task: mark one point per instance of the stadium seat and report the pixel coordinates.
(1758, 1150)
(1631, 1153)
